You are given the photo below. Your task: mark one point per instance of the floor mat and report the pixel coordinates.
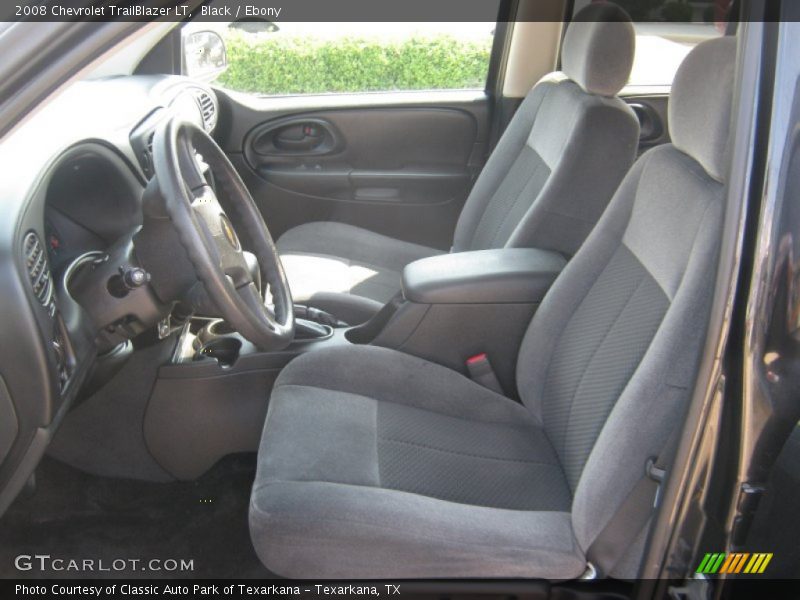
(77, 516)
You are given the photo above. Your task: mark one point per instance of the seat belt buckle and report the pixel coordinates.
(481, 372)
(657, 474)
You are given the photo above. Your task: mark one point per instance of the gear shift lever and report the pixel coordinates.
(319, 316)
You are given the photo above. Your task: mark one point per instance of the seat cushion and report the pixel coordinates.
(348, 271)
(375, 463)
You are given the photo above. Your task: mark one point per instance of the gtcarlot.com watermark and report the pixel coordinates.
(48, 563)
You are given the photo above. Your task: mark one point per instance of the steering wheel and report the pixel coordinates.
(210, 239)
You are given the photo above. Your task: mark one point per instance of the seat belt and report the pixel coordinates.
(624, 527)
(481, 372)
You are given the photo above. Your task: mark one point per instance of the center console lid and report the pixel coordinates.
(505, 275)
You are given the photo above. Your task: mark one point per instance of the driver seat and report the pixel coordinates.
(377, 464)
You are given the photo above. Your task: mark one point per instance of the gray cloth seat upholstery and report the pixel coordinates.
(545, 184)
(378, 464)
(370, 456)
(345, 270)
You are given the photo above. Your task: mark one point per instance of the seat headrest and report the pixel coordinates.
(700, 103)
(598, 48)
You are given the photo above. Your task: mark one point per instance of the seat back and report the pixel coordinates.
(566, 150)
(610, 358)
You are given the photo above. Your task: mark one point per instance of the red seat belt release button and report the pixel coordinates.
(481, 372)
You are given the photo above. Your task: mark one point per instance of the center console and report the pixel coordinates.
(211, 399)
(456, 306)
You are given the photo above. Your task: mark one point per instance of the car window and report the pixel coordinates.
(666, 30)
(661, 48)
(329, 58)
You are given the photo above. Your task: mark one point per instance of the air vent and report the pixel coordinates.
(37, 267)
(146, 156)
(208, 108)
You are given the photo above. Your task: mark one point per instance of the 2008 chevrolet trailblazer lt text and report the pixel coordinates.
(507, 306)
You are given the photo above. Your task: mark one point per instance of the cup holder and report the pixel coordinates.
(224, 349)
(220, 327)
(214, 330)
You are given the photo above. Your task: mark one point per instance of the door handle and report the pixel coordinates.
(305, 144)
(301, 136)
(295, 137)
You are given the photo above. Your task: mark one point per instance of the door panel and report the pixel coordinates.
(401, 168)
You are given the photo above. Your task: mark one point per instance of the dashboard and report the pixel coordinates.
(74, 175)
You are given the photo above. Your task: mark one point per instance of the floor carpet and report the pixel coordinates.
(74, 515)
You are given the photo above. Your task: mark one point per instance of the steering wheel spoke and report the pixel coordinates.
(252, 297)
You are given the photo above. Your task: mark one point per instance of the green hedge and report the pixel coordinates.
(275, 65)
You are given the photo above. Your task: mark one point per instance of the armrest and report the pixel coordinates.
(506, 275)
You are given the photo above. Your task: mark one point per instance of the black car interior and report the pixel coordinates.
(436, 356)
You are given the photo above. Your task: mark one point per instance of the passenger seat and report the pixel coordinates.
(545, 185)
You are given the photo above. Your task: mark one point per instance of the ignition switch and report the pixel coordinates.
(128, 280)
